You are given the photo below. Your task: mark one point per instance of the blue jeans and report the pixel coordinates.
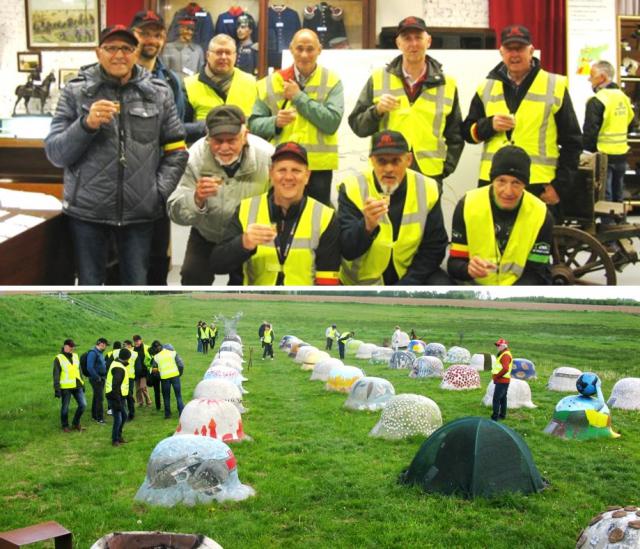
(78, 395)
(119, 418)
(615, 181)
(166, 394)
(91, 245)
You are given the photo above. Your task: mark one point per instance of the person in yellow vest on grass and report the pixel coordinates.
(67, 383)
(522, 103)
(219, 82)
(412, 95)
(131, 376)
(331, 333)
(501, 234)
(282, 237)
(267, 342)
(608, 119)
(501, 376)
(213, 334)
(117, 391)
(143, 360)
(391, 225)
(303, 103)
(168, 364)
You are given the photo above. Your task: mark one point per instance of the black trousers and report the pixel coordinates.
(319, 186)
(97, 402)
(500, 401)
(329, 343)
(267, 350)
(341, 348)
(196, 269)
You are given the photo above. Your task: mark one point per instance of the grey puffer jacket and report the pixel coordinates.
(119, 173)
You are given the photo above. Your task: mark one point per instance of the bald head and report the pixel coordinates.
(305, 48)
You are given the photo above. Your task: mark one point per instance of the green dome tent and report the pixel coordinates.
(473, 457)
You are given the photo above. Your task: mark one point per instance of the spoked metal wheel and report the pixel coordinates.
(579, 258)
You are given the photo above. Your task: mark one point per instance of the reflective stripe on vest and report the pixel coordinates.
(322, 148)
(131, 367)
(481, 236)
(497, 367)
(299, 268)
(618, 113)
(166, 361)
(332, 333)
(535, 129)
(422, 123)
(69, 371)
(267, 337)
(203, 97)
(422, 195)
(124, 388)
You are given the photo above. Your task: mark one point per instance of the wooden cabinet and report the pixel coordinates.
(629, 81)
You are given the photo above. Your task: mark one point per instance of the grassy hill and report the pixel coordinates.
(321, 481)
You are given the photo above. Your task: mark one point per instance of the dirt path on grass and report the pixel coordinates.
(416, 302)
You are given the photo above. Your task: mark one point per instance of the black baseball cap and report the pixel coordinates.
(70, 343)
(290, 149)
(388, 142)
(120, 31)
(225, 119)
(411, 22)
(124, 354)
(146, 18)
(513, 34)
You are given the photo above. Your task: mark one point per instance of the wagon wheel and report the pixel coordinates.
(576, 254)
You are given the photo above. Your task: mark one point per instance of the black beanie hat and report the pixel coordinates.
(511, 160)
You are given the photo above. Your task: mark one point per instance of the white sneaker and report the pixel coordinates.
(109, 413)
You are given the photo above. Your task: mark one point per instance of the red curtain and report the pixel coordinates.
(122, 11)
(545, 19)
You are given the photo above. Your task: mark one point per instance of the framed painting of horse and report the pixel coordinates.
(62, 25)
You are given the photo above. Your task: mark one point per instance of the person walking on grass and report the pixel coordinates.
(67, 383)
(342, 339)
(97, 369)
(117, 392)
(501, 375)
(267, 342)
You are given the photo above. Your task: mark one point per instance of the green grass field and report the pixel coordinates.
(321, 481)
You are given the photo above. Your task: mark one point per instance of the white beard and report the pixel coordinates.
(228, 162)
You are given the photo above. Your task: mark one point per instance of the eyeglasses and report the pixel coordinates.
(113, 50)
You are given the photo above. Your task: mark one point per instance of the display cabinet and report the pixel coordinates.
(339, 23)
(629, 81)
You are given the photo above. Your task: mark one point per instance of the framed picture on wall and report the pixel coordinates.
(64, 75)
(62, 25)
(29, 61)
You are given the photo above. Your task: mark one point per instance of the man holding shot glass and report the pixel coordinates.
(391, 225)
(117, 134)
(224, 167)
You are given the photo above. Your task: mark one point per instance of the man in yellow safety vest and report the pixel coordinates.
(501, 376)
(67, 383)
(267, 342)
(117, 392)
(168, 364)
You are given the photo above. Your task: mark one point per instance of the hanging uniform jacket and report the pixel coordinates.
(497, 368)
(422, 195)
(167, 366)
(618, 114)
(227, 22)
(481, 237)
(124, 387)
(322, 149)
(69, 371)
(535, 131)
(282, 24)
(203, 97)
(204, 29)
(299, 267)
(328, 23)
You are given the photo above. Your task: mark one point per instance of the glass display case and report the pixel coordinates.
(629, 81)
(339, 24)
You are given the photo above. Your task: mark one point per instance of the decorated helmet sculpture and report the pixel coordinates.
(220, 389)
(230, 374)
(407, 415)
(626, 394)
(232, 337)
(458, 355)
(381, 355)
(211, 418)
(427, 366)
(231, 346)
(365, 350)
(460, 377)
(401, 360)
(417, 347)
(323, 368)
(341, 378)
(369, 393)
(436, 349)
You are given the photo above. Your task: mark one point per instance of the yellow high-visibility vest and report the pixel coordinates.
(299, 267)
(423, 122)
(535, 129)
(498, 365)
(322, 148)
(69, 371)
(167, 366)
(618, 114)
(203, 97)
(131, 367)
(124, 387)
(267, 337)
(422, 195)
(481, 237)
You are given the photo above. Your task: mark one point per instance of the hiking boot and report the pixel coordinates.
(78, 428)
(66, 430)
(122, 441)
(115, 443)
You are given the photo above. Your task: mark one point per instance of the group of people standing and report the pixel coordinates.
(264, 216)
(119, 375)
(206, 336)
